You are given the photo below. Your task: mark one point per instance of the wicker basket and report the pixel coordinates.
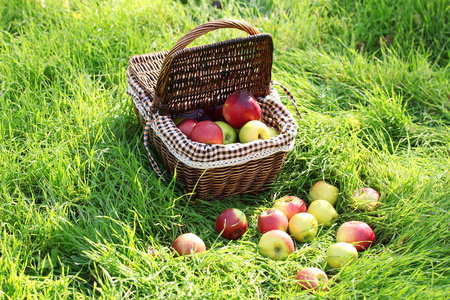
(185, 79)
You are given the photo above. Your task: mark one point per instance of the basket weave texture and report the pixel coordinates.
(184, 79)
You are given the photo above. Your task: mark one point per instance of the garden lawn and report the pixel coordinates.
(82, 213)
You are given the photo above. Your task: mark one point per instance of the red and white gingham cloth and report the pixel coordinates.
(203, 156)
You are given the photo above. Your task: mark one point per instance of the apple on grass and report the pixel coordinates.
(303, 227)
(186, 126)
(276, 244)
(188, 243)
(323, 211)
(357, 233)
(229, 134)
(366, 197)
(271, 219)
(312, 279)
(290, 205)
(322, 190)
(239, 108)
(253, 131)
(207, 132)
(231, 223)
(340, 254)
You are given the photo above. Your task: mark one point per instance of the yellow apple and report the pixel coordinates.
(323, 211)
(253, 131)
(276, 244)
(340, 254)
(322, 190)
(273, 132)
(303, 227)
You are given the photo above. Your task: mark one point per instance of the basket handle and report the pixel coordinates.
(188, 38)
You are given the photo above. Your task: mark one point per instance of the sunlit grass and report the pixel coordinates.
(82, 213)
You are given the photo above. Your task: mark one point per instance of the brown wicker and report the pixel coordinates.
(184, 79)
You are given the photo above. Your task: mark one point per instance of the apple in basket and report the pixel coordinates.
(188, 243)
(186, 126)
(252, 131)
(273, 132)
(207, 132)
(229, 134)
(215, 113)
(240, 108)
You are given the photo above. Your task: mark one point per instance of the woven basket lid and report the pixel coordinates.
(204, 76)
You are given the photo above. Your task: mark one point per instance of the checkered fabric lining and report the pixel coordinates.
(203, 156)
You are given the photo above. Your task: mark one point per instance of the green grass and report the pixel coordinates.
(81, 210)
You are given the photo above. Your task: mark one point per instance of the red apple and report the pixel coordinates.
(367, 198)
(240, 108)
(218, 114)
(357, 233)
(312, 279)
(207, 132)
(186, 126)
(290, 205)
(188, 243)
(272, 219)
(276, 244)
(231, 223)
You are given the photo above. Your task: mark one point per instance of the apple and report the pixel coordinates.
(272, 132)
(240, 108)
(323, 211)
(357, 233)
(276, 244)
(366, 197)
(218, 114)
(312, 279)
(271, 219)
(353, 123)
(229, 135)
(231, 223)
(177, 120)
(188, 243)
(322, 190)
(303, 227)
(290, 205)
(340, 254)
(253, 131)
(207, 132)
(186, 126)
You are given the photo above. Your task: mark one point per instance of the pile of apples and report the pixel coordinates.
(238, 119)
(291, 214)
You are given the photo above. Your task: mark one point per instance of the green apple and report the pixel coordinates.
(177, 120)
(229, 134)
(323, 211)
(340, 254)
(252, 131)
(303, 227)
(273, 132)
(322, 190)
(276, 244)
